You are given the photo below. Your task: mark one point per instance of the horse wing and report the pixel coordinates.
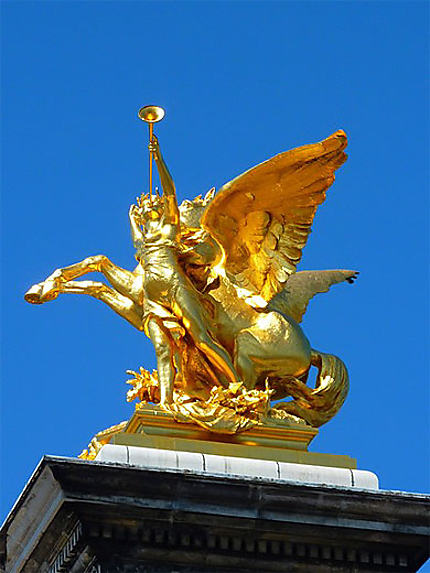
(302, 286)
(263, 218)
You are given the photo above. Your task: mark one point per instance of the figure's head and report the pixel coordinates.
(191, 212)
(150, 208)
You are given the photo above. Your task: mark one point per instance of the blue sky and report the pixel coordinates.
(241, 81)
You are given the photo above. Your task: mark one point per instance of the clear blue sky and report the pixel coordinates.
(241, 81)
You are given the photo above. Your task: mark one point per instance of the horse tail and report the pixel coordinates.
(319, 405)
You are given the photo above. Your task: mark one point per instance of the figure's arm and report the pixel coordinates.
(169, 191)
(136, 232)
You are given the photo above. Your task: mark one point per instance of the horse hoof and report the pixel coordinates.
(33, 295)
(42, 292)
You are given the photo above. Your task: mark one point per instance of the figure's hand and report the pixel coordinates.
(154, 146)
(135, 214)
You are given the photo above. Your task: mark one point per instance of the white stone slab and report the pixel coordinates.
(316, 474)
(210, 464)
(251, 467)
(365, 480)
(189, 461)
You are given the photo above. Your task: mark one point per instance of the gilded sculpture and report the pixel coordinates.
(217, 291)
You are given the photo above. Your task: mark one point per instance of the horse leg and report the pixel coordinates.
(49, 289)
(272, 347)
(245, 366)
(128, 283)
(122, 305)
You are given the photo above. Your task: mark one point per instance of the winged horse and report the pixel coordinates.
(239, 252)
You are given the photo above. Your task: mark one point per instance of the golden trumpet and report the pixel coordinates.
(151, 114)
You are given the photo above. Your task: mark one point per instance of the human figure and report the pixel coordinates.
(167, 290)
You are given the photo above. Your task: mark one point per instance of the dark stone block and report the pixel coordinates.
(97, 517)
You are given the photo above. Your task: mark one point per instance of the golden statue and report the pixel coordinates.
(217, 292)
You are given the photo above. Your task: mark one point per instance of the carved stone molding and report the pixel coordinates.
(68, 551)
(93, 517)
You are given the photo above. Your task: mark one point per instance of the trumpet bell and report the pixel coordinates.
(151, 113)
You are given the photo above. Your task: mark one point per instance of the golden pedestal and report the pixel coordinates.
(151, 427)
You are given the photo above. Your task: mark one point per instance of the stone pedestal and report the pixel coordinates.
(157, 511)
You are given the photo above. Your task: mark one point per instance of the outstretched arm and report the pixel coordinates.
(170, 201)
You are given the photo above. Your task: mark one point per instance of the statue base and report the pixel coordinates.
(151, 427)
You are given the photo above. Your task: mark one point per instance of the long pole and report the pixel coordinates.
(151, 131)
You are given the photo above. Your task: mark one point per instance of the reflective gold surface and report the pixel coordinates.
(217, 292)
(152, 427)
(100, 439)
(151, 113)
